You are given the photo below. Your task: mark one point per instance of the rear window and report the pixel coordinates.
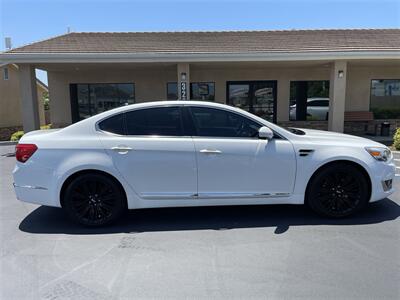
(114, 124)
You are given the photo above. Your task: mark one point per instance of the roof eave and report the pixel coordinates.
(192, 57)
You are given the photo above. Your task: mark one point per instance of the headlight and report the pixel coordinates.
(379, 153)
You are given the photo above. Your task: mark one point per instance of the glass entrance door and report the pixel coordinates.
(257, 97)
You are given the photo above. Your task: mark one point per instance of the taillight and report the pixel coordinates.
(24, 151)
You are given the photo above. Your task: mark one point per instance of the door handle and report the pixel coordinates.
(121, 149)
(210, 151)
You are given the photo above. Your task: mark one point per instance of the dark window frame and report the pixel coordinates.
(73, 88)
(201, 82)
(177, 91)
(370, 91)
(6, 73)
(317, 80)
(251, 84)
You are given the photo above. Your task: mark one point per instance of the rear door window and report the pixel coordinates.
(114, 124)
(158, 121)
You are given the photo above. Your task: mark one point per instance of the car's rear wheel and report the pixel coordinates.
(338, 190)
(94, 199)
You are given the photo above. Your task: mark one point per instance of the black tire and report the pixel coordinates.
(94, 199)
(338, 190)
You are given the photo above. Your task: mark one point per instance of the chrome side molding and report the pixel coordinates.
(185, 196)
(166, 196)
(29, 187)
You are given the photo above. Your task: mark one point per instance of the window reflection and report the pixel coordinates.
(172, 91)
(99, 97)
(202, 91)
(257, 97)
(385, 98)
(309, 100)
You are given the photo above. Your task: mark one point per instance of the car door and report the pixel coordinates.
(153, 154)
(233, 162)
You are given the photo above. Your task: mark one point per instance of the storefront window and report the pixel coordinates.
(385, 98)
(309, 100)
(257, 97)
(202, 91)
(172, 91)
(90, 99)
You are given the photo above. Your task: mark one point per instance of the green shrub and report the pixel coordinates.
(16, 136)
(396, 139)
(386, 113)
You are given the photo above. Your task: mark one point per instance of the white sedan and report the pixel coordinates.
(189, 153)
(317, 109)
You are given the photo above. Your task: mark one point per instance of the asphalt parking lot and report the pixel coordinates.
(217, 252)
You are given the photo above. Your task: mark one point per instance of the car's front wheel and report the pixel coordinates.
(94, 199)
(338, 190)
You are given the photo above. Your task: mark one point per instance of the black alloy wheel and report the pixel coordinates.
(94, 199)
(338, 190)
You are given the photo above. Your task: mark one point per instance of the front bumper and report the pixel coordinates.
(382, 178)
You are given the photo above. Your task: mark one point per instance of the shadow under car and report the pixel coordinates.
(50, 220)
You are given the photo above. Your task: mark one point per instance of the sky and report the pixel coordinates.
(29, 21)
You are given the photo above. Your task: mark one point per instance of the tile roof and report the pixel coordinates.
(285, 41)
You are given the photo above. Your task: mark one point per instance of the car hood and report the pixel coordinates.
(330, 136)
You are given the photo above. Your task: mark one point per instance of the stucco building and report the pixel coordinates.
(341, 80)
(10, 101)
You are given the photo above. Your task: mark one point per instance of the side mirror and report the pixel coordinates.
(265, 133)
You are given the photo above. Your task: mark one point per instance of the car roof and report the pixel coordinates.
(167, 103)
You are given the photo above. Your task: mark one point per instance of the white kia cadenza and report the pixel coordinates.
(189, 153)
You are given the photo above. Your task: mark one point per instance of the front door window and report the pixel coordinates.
(210, 122)
(257, 97)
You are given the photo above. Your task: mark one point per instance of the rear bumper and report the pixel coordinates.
(32, 194)
(34, 184)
